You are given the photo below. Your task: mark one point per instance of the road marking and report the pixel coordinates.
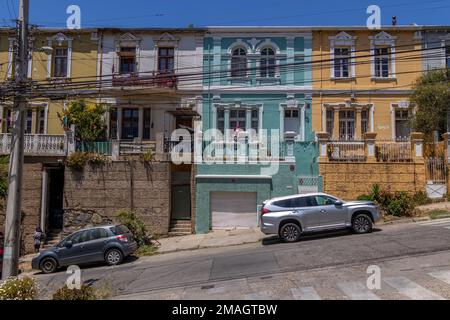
(441, 275)
(264, 295)
(411, 289)
(356, 290)
(305, 293)
(433, 223)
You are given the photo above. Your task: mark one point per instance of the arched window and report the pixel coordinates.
(267, 64)
(239, 63)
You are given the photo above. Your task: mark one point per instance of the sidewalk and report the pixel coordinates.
(214, 239)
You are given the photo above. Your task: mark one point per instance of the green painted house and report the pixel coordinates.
(256, 124)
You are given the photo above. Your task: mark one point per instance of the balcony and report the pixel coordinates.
(371, 149)
(346, 151)
(37, 144)
(252, 151)
(154, 79)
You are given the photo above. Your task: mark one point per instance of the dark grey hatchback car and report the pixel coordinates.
(108, 244)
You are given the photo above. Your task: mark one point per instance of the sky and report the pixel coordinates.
(200, 13)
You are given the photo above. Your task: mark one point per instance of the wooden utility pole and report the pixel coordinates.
(13, 207)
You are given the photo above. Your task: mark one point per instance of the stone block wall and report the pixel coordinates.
(31, 206)
(350, 179)
(95, 195)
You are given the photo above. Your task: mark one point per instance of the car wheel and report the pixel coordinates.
(113, 257)
(290, 232)
(362, 224)
(48, 265)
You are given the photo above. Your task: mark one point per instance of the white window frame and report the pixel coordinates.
(238, 106)
(267, 43)
(400, 105)
(342, 58)
(343, 39)
(239, 44)
(127, 40)
(61, 40)
(242, 73)
(291, 105)
(383, 39)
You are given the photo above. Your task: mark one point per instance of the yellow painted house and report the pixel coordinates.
(73, 58)
(362, 80)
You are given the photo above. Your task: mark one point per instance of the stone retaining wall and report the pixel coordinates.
(95, 195)
(349, 180)
(31, 206)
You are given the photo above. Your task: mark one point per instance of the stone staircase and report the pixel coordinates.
(53, 237)
(180, 227)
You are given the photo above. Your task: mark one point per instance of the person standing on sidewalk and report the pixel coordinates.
(38, 236)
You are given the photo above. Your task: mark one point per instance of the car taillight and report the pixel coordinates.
(122, 238)
(264, 210)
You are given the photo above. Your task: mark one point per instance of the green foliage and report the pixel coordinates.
(397, 204)
(146, 250)
(136, 226)
(78, 160)
(432, 98)
(88, 119)
(84, 293)
(18, 289)
(146, 156)
(420, 198)
(4, 166)
(439, 213)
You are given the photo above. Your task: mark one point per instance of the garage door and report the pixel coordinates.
(233, 210)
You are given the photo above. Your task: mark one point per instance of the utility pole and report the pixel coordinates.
(14, 203)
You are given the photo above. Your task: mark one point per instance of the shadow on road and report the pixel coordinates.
(127, 260)
(315, 236)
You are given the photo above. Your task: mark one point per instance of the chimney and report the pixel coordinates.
(394, 20)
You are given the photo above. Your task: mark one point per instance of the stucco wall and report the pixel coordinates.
(94, 196)
(31, 206)
(349, 180)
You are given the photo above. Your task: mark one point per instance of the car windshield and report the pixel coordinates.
(118, 230)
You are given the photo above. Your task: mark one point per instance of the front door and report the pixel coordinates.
(55, 198)
(181, 202)
(130, 123)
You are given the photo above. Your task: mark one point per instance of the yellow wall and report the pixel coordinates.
(84, 68)
(382, 111)
(350, 180)
(322, 81)
(404, 42)
(4, 47)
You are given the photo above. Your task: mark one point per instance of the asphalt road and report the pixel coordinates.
(414, 260)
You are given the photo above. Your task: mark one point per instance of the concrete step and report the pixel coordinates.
(174, 223)
(173, 234)
(180, 229)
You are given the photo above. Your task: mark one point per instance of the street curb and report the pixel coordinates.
(208, 247)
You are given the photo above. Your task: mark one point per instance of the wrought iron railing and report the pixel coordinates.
(346, 151)
(393, 151)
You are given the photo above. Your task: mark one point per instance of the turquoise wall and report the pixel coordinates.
(286, 180)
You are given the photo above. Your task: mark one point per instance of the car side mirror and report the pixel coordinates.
(69, 244)
(338, 203)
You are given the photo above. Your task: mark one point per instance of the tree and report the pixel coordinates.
(432, 100)
(88, 119)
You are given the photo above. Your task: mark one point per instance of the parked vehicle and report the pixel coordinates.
(110, 244)
(290, 217)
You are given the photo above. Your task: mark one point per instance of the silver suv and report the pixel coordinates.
(291, 216)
